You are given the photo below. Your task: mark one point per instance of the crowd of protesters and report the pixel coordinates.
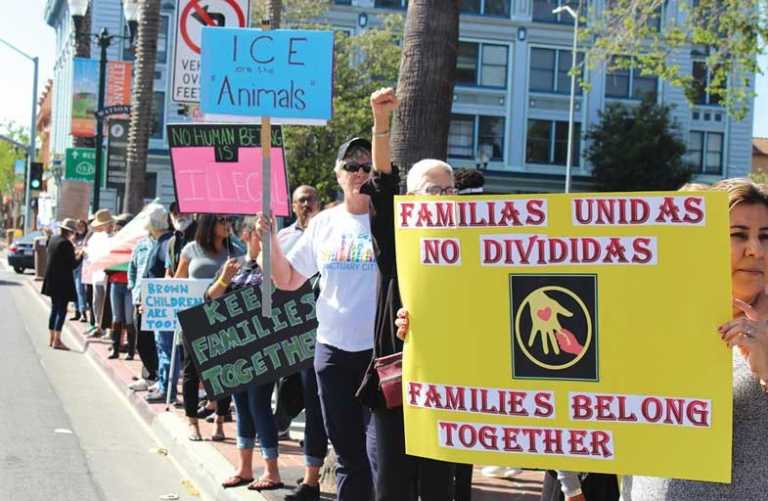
(347, 252)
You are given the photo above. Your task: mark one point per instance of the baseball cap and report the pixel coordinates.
(355, 142)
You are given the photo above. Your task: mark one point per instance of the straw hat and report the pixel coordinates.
(68, 224)
(102, 217)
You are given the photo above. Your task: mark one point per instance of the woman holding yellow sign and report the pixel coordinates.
(748, 331)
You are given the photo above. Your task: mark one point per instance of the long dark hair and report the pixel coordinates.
(205, 235)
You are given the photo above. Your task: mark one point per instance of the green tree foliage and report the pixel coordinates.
(9, 153)
(728, 35)
(637, 149)
(363, 63)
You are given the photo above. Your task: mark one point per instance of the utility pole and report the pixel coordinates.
(32, 125)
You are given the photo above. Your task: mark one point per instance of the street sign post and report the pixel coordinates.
(191, 17)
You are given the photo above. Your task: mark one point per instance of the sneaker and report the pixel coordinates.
(154, 386)
(500, 472)
(155, 397)
(304, 492)
(140, 385)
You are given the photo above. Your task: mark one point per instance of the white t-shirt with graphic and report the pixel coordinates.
(339, 246)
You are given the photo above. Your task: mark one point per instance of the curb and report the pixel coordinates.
(205, 466)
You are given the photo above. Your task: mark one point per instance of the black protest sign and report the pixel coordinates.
(233, 346)
(225, 139)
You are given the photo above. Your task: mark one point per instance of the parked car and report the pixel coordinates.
(21, 253)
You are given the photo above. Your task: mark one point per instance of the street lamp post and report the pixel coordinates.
(78, 8)
(572, 105)
(31, 147)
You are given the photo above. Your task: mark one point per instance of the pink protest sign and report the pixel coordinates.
(217, 169)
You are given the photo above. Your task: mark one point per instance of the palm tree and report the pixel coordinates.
(427, 73)
(141, 104)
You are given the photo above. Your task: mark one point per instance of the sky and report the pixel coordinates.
(22, 25)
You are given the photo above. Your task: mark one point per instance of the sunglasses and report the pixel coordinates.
(354, 167)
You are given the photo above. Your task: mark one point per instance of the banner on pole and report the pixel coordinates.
(285, 74)
(217, 168)
(582, 336)
(164, 298)
(233, 346)
(85, 89)
(119, 79)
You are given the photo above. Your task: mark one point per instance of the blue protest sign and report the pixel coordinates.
(284, 74)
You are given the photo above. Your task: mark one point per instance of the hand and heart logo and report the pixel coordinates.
(554, 331)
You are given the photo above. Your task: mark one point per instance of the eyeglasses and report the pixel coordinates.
(433, 189)
(354, 167)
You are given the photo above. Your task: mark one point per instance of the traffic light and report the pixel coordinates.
(36, 176)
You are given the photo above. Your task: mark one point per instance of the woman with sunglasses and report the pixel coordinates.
(202, 259)
(337, 244)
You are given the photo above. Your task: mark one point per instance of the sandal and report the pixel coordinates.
(194, 435)
(265, 484)
(235, 481)
(218, 437)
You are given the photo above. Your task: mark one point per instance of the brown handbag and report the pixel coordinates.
(390, 372)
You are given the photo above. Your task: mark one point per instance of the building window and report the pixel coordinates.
(470, 135)
(547, 142)
(550, 70)
(542, 11)
(391, 4)
(629, 83)
(500, 8)
(342, 2)
(491, 60)
(461, 136)
(158, 115)
(705, 152)
(162, 40)
(702, 77)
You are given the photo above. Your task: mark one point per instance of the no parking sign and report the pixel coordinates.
(191, 17)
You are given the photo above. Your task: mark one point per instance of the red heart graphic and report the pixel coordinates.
(544, 313)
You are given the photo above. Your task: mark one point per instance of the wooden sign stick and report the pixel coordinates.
(266, 205)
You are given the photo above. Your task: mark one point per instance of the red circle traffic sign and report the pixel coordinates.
(186, 16)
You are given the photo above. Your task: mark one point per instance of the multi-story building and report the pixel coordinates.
(512, 93)
(109, 14)
(511, 99)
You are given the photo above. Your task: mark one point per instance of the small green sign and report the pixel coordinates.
(80, 165)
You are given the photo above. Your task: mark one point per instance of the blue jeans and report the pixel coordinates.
(254, 416)
(315, 438)
(58, 313)
(347, 422)
(122, 303)
(82, 300)
(164, 344)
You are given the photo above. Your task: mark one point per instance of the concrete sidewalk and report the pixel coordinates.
(209, 463)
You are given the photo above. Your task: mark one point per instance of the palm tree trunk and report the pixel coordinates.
(427, 73)
(273, 10)
(141, 104)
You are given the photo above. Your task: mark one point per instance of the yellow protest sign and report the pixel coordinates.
(574, 332)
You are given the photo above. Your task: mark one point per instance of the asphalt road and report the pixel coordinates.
(65, 432)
